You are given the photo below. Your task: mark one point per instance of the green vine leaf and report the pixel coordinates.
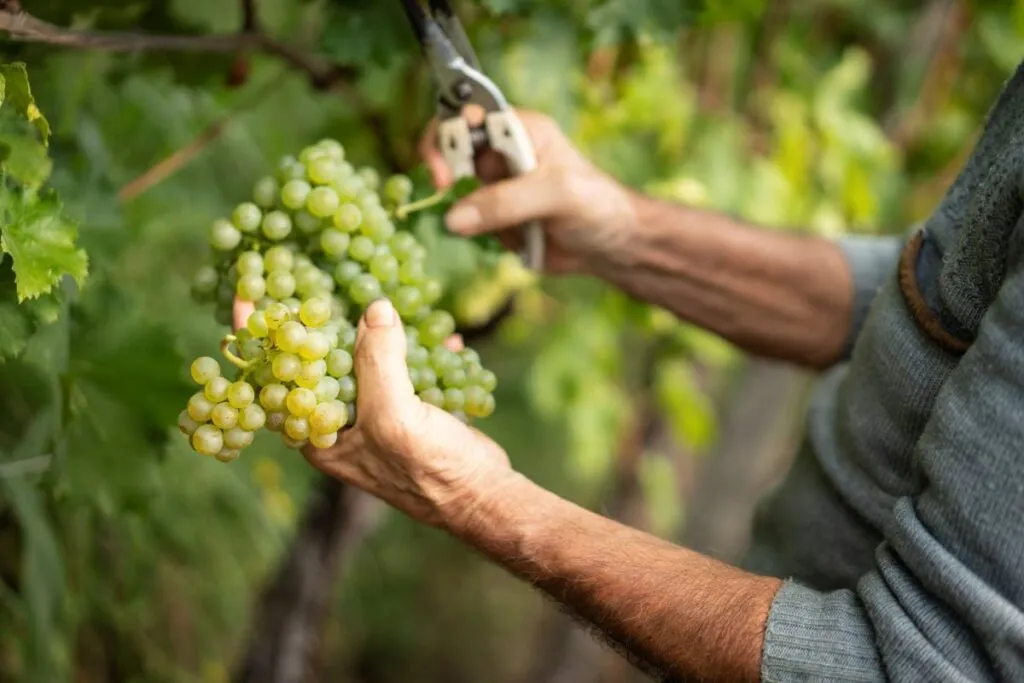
(17, 92)
(41, 243)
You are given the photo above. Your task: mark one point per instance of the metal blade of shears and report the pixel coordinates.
(443, 14)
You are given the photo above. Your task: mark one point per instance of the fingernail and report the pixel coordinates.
(463, 218)
(381, 314)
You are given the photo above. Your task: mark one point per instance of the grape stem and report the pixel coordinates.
(225, 348)
(402, 212)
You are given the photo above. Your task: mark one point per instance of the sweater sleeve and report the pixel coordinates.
(944, 600)
(871, 259)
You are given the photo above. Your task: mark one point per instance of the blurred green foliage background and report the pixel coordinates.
(128, 558)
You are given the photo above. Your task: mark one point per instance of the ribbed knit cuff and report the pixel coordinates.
(815, 636)
(872, 260)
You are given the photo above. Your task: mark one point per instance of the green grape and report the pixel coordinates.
(224, 315)
(407, 300)
(442, 358)
(351, 408)
(339, 308)
(228, 455)
(488, 381)
(290, 336)
(348, 218)
(237, 438)
(224, 236)
(294, 444)
(377, 225)
(361, 249)
(332, 148)
(295, 193)
(315, 346)
(307, 279)
(312, 372)
(327, 389)
(257, 324)
(414, 376)
(308, 154)
(347, 337)
(398, 189)
(204, 282)
(384, 267)
(339, 363)
(346, 271)
(418, 253)
(241, 394)
(297, 428)
(475, 400)
(289, 168)
(293, 305)
(402, 245)
(327, 284)
(208, 440)
(224, 416)
(370, 178)
(315, 312)
(346, 389)
(204, 369)
(486, 409)
(243, 335)
(454, 378)
(302, 261)
(364, 290)
(199, 407)
(323, 170)
(433, 396)
(262, 304)
(252, 417)
(277, 225)
(264, 192)
(327, 418)
(216, 390)
(307, 223)
(412, 273)
(278, 259)
(427, 378)
(323, 440)
(187, 425)
(280, 284)
(247, 217)
(469, 357)
(251, 288)
(276, 315)
(264, 375)
(287, 367)
(454, 400)
(417, 356)
(301, 401)
(249, 263)
(412, 336)
(323, 202)
(252, 350)
(334, 243)
(436, 328)
(275, 421)
(273, 396)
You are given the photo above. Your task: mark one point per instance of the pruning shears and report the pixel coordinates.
(461, 82)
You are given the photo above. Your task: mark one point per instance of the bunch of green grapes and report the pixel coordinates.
(315, 246)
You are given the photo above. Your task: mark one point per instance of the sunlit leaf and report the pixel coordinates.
(41, 242)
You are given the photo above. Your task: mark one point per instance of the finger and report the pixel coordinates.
(381, 371)
(241, 310)
(455, 343)
(440, 174)
(506, 204)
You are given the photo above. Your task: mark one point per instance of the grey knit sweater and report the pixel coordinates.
(900, 529)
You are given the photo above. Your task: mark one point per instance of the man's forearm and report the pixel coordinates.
(684, 615)
(782, 296)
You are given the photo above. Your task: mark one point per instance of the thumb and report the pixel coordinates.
(506, 204)
(384, 385)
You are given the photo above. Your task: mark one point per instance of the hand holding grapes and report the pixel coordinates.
(586, 214)
(413, 455)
